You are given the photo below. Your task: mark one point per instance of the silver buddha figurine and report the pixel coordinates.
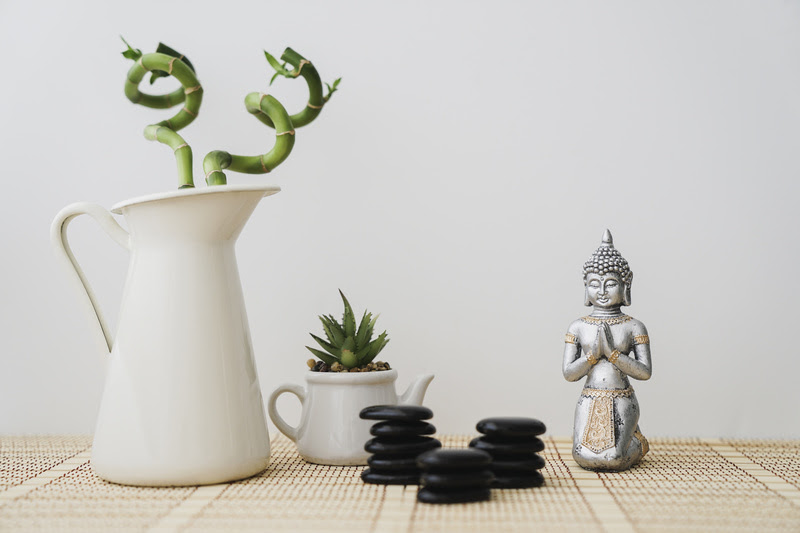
(608, 347)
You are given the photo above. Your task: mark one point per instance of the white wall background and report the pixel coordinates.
(456, 183)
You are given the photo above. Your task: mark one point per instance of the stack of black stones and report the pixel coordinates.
(399, 437)
(513, 444)
(455, 476)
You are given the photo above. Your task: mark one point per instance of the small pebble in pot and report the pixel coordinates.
(324, 368)
(317, 366)
(337, 367)
(311, 363)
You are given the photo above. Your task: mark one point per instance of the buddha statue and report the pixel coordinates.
(607, 347)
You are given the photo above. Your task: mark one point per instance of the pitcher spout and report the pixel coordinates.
(416, 390)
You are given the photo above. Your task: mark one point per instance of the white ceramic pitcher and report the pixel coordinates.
(330, 431)
(182, 403)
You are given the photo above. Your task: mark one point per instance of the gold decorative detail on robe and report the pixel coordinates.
(642, 440)
(569, 338)
(599, 433)
(598, 321)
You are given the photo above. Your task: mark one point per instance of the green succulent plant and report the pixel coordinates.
(347, 344)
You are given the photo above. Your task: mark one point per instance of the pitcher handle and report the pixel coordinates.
(58, 237)
(272, 407)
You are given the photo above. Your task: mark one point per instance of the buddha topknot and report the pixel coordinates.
(608, 259)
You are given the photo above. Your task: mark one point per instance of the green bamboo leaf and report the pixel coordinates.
(272, 79)
(164, 49)
(276, 64)
(349, 319)
(131, 53)
(332, 89)
(333, 350)
(324, 357)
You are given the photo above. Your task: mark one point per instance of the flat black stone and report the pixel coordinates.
(510, 466)
(512, 426)
(379, 478)
(426, 495)
(404, 446)
(501, 448)
(393, 463)
(453, 459)
(401, 429)
(534, 479)
(401, 413)
(457, 479)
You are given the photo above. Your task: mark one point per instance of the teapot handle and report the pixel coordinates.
(272, 407)
(58, 237)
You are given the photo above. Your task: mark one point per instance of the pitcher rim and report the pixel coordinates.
(268, 190)
(351, 378)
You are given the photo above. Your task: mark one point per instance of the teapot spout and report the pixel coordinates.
(416, 390)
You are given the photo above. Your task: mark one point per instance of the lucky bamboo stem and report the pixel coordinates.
(191, 94)
(304, 68)
(263, 106)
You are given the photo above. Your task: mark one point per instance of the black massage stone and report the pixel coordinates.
(399, 437)
(389, 463)
(456, 480)
(524, 481)
(511, 426)
(505, 448)
(428, 495)
(510, 465)
(394, 478)
(402, 429)
(446, 460)
(405, 447)
(454, 476)
(398, 413)
(513, 444)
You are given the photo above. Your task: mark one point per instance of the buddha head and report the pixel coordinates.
(607, 277)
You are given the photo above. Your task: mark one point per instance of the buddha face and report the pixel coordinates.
(605, 292)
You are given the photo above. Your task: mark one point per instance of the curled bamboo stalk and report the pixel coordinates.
(304, 68)
(264, 107)
(190, 94)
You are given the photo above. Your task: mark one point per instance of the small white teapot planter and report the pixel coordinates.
(330, 431)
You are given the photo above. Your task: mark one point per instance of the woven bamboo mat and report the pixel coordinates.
(46, 483)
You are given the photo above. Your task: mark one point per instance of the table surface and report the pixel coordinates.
(46, 483)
